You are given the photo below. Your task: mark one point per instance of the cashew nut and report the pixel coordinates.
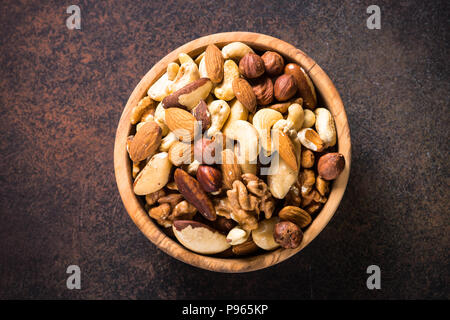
(247, 137)
(310, 119)
(263, 120)
(183, 58)
(167, 142)
(202, 69)
(325, 127)
(199, 58)
(161, 88)
(296, 116)
(159, 117)
(138, 110)
(246, 167)
(154, 176)
(224, 90)
(283, 125)
(293, 121)
(235, 50)
(219, 111)
(237, 236)
(193, 167)
(139, 125)
(187, 73)
(148, 114)
(172, 70)
(237, 112)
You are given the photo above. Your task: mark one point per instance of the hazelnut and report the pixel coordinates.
(287, 234)
(251, 65)
(304, 84)
(331, 165)
(263, 90)
(210, 178)
(273, 63)
(285, 87)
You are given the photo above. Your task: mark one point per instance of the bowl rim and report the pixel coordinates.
(122, 166)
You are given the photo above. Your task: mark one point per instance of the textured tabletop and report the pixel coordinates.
(62, 93)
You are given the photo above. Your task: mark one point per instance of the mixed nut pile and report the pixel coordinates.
(231, 151)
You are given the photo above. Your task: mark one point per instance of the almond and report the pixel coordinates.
(181, 122)
(209, 178)
(190, 188)
(231, 170)
(214, 63)
(286, 149)
(245, 248)
(244, 93)
(145, 142)
(296, 215)
(188, 96)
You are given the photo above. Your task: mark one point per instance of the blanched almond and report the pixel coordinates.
(310, 139)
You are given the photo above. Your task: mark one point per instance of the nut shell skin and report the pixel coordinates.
(285, 87)
(201, 113)
(251, 66)
(263, 90)
(273, 63)
(287, 234)
(331, 165)
(210, 178)
(190, 188)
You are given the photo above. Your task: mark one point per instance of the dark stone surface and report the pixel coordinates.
(62, 93)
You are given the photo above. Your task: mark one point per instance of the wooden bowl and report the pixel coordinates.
(122, 164)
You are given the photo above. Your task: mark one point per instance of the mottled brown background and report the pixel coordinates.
(62, 93)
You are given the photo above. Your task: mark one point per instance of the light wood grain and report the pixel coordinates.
(122, 165)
